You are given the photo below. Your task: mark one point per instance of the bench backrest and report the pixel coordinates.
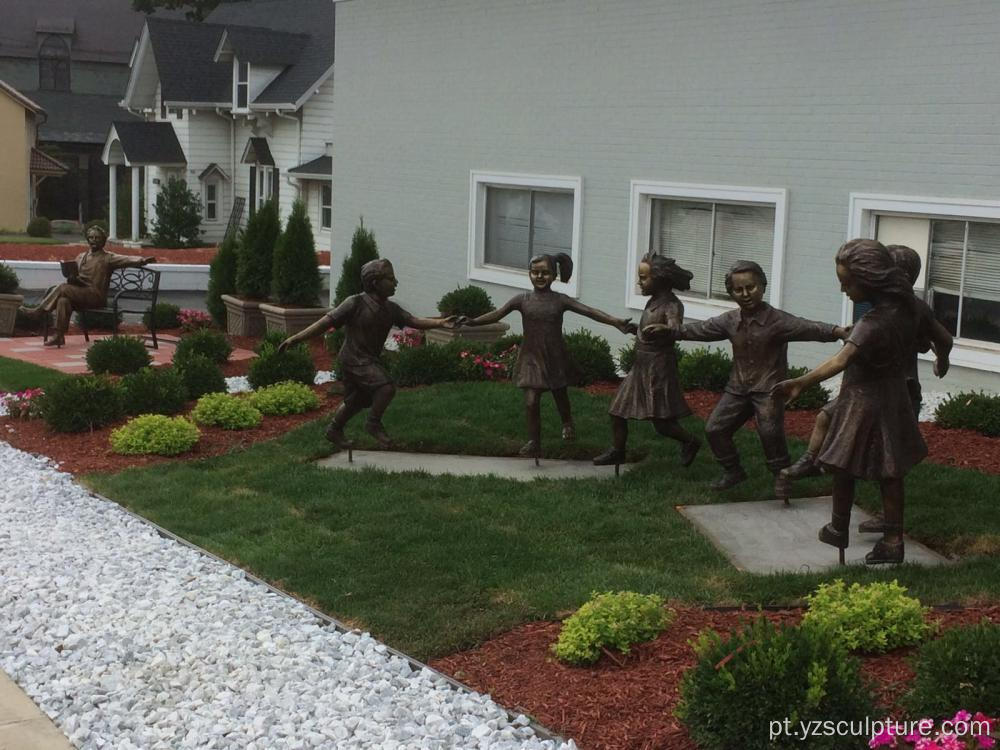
(134, 283)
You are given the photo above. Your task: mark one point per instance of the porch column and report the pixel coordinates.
(135, 203)
(113, 201)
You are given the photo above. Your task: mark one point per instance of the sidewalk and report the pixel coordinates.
(22, 725)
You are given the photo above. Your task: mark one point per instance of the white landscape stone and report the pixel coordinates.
(129, 640)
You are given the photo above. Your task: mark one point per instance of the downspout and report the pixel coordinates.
(298, 150)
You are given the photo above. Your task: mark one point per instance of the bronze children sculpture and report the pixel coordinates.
(367, 319)
(542, 361)
(651, 390)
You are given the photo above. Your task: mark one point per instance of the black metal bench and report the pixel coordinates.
(127, 285)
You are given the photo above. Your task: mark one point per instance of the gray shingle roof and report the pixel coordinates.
(323, 165)
(260, 46)
(184, 51)
(78, 118)
(149, 142)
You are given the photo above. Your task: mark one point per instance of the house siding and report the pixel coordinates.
(822, 99)
(317, 116)
(15, 146)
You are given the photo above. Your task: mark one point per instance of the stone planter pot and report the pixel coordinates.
(8, 312)
(243, 316)
(484, 334)
(290, 320)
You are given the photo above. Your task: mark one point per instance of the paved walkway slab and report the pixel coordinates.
(768, 537)
(521, 469)
(22, 724)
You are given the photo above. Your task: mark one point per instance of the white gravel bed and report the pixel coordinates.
(132, 641)
(240, 384)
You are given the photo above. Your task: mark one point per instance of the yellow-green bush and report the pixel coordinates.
(284, 398)
(225, 411)
(155, 433)
(611, 620)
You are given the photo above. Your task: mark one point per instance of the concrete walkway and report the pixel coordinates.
(22, 725)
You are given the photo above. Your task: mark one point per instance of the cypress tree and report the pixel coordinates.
(254, 257)
(221, 279)
(363, 249)
(295, 279)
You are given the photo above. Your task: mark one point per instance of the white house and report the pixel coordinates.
(472, 134)
(239, 107)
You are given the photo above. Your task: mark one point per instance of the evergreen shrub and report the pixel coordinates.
(221, 279)
(118, 355)
(591, 355)
(471, 301)
(200, 375)
(704, 369)
(82, 403)
(205, 341)
(156, 434)
(177, 220)
(295, 276)
(255, 254)
(611, 620)
(98, 320)
(270, 366)
(164, 315)
(39, 227)
(225, 411)
(970, 411)
(154, 390)
(9, 282)
(813, 397)
(363, 249)
(284, 398)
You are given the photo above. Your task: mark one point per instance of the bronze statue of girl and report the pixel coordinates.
(543, 363)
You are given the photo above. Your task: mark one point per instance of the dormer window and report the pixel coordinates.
(242, 84)
(53, 64)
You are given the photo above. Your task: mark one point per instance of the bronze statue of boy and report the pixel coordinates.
(367, 319)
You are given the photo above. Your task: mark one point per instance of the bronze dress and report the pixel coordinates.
(542, 361)
(873, 431)
(652, 389)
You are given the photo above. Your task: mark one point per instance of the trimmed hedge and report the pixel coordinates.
(206, 342)
(154, 390)
(225, 411)
(590, 354)
(118, 355)
(294, 364)
(200, 375)
(82, 403)
(284, 398)
(970, 411)
(164, 315)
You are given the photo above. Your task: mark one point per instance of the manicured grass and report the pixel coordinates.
(17, 376)
(435, 564)
(24, 239)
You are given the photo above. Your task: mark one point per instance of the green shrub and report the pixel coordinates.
(97, 320)
(255, 253)
(82, 403)
(295, 275)
(363, 249)
(155, 433)
(164, 315)
(813, 397)
(206, 342)
(225, 411)
(221, 279)
(471, 301)
(284, 398)
(270, 366)
(958, 671)
(626, 357)
(334, 340)
(704, 369)
(270, 340)
(591, 355)
(970, 411)
(9, 282)
(154, 390)
(761, 674)
(200, 375)
(610, 621)
(118, 355)
(431, 363)
(177, 219)
(39, 227)
(872, 618)
(504, 343)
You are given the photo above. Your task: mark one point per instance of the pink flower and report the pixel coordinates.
(985, 741)
(950, 742)
(885, 738)
(961, 716)
(926, 743)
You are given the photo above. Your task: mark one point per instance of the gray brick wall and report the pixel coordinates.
(820, 97)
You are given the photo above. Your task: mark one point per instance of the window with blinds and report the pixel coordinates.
(707, 238)
(964, 277)
(522, 223)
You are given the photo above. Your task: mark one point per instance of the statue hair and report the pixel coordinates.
(872, 266)
(906, 258)
(667, 271)
(374, 270)
(560, 263)
(745, 266)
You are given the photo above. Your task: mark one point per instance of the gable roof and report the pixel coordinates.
(78, 118)
(43, 164)
(146, 143)
(317, 169)
(184, 52)
(259, 46)
(257, 152)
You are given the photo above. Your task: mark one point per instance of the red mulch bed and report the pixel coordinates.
(613, 706)
(195, 255)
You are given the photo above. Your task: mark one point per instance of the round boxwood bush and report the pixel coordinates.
(591, 354)
(873, 618)
(472, 301)
(118, 355)
(206, 342)
(284, 398)
(154, 433)
(39, 227)
(742, 683)
(9, 282)
(270, 367)
(813, 397)
(704, 369)
(970, 411)
(82, 403)
(226, 411)
(164, 315)
(200, 375)
(610, 621)
(958, 671)
(154, 390)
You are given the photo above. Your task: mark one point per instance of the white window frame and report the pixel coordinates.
(325, 207)
(864, 208)
(265, 185)
(237, 83)
(479, 270)
(216, 183)
(640, 204)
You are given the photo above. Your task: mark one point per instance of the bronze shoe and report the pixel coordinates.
(833, 536)
(872, 526)
(335, 434)
(804, 467)
(689, 451)
(58, 340)
(568, 431)
(885, 553)
(730, 478)
(610, 457)
(531, 449)
(377, 431)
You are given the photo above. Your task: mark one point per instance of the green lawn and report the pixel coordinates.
(16, 375)
(435, 564)
(24, 239)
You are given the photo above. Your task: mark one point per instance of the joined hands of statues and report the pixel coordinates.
(454, 321)
(657, 330)
(789, 390)
(625, 325)
(842, 332)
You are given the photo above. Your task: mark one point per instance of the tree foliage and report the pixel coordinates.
(256, 253)
(178, 216)
(363, 249)
(295, 277)
(195, 10)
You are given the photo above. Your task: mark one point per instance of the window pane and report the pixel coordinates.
(945, 274)
(682, 230)
(981, 302)
(741, 233)
(552, 231)
(241, 95)
(508, 213)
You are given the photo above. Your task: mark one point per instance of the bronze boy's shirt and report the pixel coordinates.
(95, 268)
(760, 344)
(367, 322)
